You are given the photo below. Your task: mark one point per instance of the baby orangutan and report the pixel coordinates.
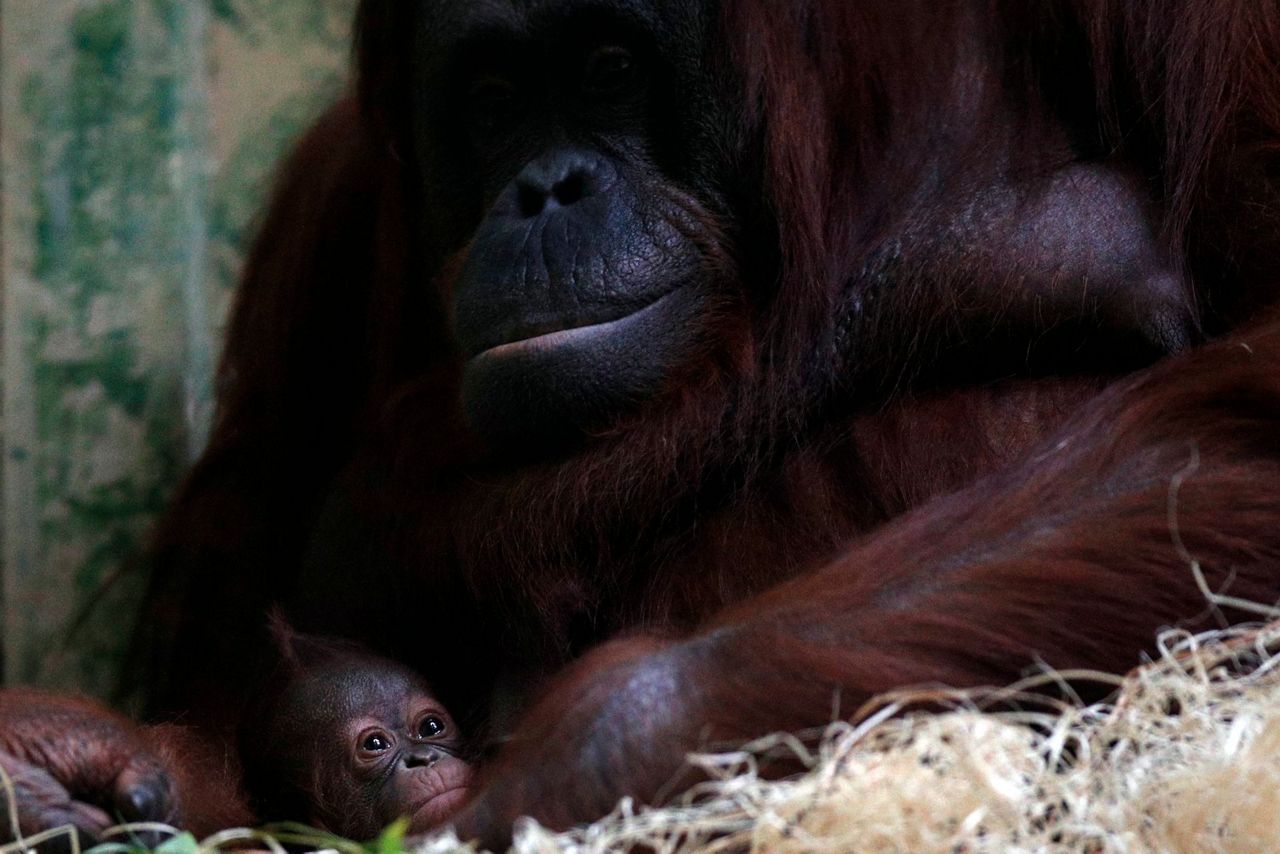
(348, 742)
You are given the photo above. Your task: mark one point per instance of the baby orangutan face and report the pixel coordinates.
(356, 742)
(399, 751)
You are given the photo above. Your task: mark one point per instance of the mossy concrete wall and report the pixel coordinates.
(137, 140)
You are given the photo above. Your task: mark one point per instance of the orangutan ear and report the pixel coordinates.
(300, 652)
(284, 638)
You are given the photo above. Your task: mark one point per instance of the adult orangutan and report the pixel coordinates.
(688, 364)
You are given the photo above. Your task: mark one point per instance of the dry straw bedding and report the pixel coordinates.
(1185, 758)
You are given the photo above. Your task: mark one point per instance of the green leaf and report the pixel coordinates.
(392, 839)
(183, 843)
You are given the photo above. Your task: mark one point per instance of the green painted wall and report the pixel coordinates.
(137, 139)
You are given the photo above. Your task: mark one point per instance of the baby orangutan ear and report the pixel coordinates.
(299, 652)
(284, 638)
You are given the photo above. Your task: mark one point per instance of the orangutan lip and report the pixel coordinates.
(432, 817)
(438, 795)
(562, 337)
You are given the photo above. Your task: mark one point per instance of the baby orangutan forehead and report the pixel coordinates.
(338, 693)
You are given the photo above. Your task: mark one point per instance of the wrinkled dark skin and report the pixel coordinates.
(574, 170)
(349, 742)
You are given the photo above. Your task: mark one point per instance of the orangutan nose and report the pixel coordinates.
(422, 758)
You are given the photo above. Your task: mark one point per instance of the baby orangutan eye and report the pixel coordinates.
(375, 742)
(431, 727)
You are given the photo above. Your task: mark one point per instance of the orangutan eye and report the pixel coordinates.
(609, 70)
(492, 103)
(431, 727)
(376, 742)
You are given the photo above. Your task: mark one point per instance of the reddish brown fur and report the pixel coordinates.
(1071, 557)
(73, 761)
(769, 533)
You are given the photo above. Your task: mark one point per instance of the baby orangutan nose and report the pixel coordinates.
(423, 759)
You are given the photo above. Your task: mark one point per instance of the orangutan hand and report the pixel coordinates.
(73, 762)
